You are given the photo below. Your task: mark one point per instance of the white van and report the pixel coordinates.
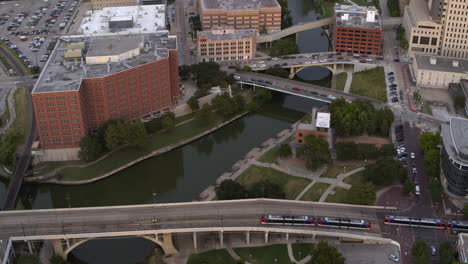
(416, 190)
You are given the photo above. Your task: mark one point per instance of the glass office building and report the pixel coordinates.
(455, 155)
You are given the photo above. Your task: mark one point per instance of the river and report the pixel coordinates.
(181, 174)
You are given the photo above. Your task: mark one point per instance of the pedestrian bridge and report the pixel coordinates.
(68, 228)
(311, 25)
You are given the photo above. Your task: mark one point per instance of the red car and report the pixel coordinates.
(340, 58)
(296, 89)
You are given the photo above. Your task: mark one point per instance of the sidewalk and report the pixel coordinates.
(11, 107)
(340, 179)
(349, 80)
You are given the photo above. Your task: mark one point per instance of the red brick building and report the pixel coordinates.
(357, 30)
(87, 82)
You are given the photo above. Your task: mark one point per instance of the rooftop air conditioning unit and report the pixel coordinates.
(433, 60)
(455, 63)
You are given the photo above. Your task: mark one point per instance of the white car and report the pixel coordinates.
(369, 60)
(275, 58)
(323, 60)
(260, 62)
(314, 61)
(394, 258)
(253, 66)
(332, 97)
(237, 77)
(308, 56)
(262, 65)
(413, 156)
(307, 62)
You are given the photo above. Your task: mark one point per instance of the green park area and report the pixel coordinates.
(341, 81)
(370, 83)
(271, 156)
(212, 257)
(291, 186)
(264, 255)
(315, 192)
(339, 167)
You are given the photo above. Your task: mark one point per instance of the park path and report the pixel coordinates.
(305, 190)
(290, 253)
(339, 179)
(349, 79)
(11, 107)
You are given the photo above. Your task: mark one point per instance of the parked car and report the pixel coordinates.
(433, 251)
(296, 89)
(394, 258)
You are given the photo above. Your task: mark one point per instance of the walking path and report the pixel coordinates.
(11, 107)
(305, 190)
(339, 179)
(290, 253)
(349, 80)
(304, 260)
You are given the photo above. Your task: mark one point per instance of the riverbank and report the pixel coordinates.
(48, 177)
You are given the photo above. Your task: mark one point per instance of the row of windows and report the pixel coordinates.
(54, 98)
(225, 43)
(358, 39)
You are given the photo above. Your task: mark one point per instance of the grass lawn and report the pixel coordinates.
(340, 196)
(211, 257)
(292, 186)
(270, 156)
(264, 255)
(304, 248)
(20, 125)
(370, 83)
(341, 80)
(123, 156)
(315, 192)
(46, 167)
(354, 179)
(338, 167)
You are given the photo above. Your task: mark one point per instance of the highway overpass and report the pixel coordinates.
(314, 24)
(301, 89)
(68, 228)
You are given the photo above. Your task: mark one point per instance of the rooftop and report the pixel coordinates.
(455, 138)
(323, 120)
(444, 64)
(357, 16)
(146, 18)
(463, 247)
(228, 34)
(65, 73)
(239, 4)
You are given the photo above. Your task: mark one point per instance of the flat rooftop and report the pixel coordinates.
(418, 11)
(236, 34)
(443, 64)
(357, 16)
(455, 138)
(146, 18)
(239, 4)
(65, 74)
(323, 120)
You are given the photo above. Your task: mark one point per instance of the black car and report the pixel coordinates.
(390, 73)
(396, 60)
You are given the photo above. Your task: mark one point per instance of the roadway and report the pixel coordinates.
(17, 66)
(169, 216)
(183, 41)
(300, 88)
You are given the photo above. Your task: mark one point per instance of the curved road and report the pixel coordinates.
(17, 65)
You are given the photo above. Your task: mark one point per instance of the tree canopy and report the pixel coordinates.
(358, 117)
(361, 151)
(266, 189)
(315, 152)
(278, 72)
(230, 190)
(284, 150)
(205, 115)
(125, 133)
(323, 253)
(90, 148)
(284, 46)
(385, 171)
(8, 144)
(193, 103)
(420, 252)
(362, 193)
(228, 106)
(447, 254)
(428, 141)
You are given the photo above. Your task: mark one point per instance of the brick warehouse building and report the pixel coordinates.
(88, 81)
(240, 14)
(357, 30)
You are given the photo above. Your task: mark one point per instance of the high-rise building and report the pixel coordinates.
(226, 44)
(455, 156)
(240, 14)
(357, 29)
(437, 27)
(90, 80)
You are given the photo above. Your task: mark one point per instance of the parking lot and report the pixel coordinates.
(30, 27)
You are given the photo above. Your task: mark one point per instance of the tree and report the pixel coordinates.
(193, 103)
(205, 115)
(90, 148)
(284, 150)
(57, 259)
(408, 187)
(227, 106)
(168, 123)
(26, 259)
(428, 140)
(247, 68)
(315, 152)
(420, 252)
(431, 161)
(459, 101)
(230, 190)
(266, 189)
(447, 254)
(8, 149)
(385, 171)
(324, 253)
(115, 135)
(136, 134)
(363, 193)
(278, 72)
(283, 47)
(184, 72)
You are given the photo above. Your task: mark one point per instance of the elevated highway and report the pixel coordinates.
(301, 89)
(68, 227)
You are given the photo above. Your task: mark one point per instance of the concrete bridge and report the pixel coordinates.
(314, 24)
(69, 228)
(301, 89)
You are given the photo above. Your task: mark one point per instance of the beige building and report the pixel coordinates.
(423, 33)
(99, 4)
(226, 44)
(438, 72)
(240, 14)
(437, 27)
